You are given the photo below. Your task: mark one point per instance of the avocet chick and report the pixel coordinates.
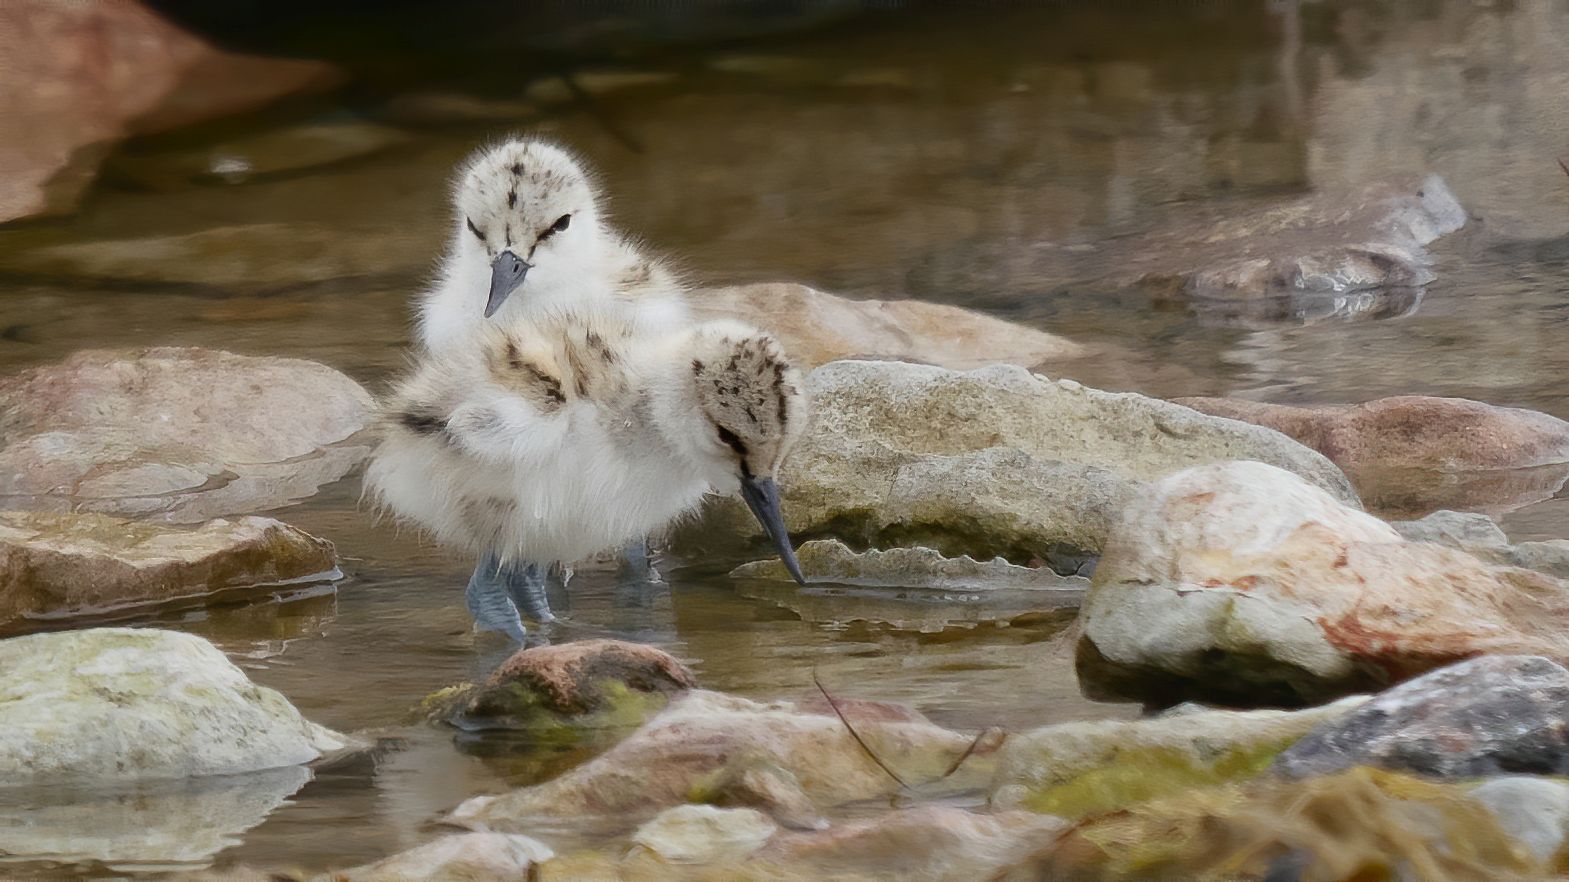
(550, 440)
(529, 237)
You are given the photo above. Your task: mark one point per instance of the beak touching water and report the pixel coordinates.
(506, 274)
(762, 497)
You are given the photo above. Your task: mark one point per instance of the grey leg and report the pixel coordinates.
(490, 601)
(526, 586)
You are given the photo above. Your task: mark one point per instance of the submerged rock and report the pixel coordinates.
(816, 328)
(81, 76)
(241, 257)
(175, 434)
(566, 688)
(1326, 243)
(275, 151)
(1240, 583)
(1486, 716)
(54, 565)
(458, 857)
(908, 588)
(1073, 770)
(995, 461)
(1417, 453)
(118, 705)
(685, 754)
(129, 827)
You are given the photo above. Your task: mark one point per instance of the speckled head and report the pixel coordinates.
(525, 204)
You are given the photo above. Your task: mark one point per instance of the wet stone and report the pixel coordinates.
(1493, 715)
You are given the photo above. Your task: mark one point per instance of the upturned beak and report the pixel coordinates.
(506, 274)
(762, 497)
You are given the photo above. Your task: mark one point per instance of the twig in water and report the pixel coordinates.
(995, 734)
(854, 734)
(1563, 163)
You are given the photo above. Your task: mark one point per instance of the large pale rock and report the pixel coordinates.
(174, 434)
(81, 76)
(458, 857)
(1325, 243)
(1241, 583)
(996, 461)
(909, 588)
(117, 705)
(54, 565)
(1417, 453)
(1073, 770)
(688, 752)
(147, 823)
(563, 688)
(817, 328)
(1485, 716)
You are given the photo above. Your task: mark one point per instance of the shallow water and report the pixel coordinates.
(891, 157)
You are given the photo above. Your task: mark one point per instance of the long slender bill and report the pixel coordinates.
(762, 497)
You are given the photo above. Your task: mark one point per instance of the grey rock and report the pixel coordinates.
(1532, 810)
(1480, 535)
(908, 588)
(1491, 715)
(995, 461)
(460, 857)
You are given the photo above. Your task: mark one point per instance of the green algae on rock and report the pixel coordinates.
(563, 691)
(1075, 770)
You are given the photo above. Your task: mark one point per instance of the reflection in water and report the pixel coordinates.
(888, 160)
(152, 826)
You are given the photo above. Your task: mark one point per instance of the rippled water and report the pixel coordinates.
(980, 160)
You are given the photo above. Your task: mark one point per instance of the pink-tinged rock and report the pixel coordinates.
(1240, 583)
(459, 857)
(817, 327)
(79, 77)
(700, 746)
(55, 565)
(1412, 454)
(174, 434)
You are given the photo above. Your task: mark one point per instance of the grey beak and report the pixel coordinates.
(762, 497)
(506, 274)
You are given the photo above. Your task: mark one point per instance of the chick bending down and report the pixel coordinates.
(548, 441)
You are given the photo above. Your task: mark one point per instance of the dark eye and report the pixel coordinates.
(561, 223)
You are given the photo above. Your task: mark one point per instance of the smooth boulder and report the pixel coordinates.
(1480, 535)
(996, 461)
(178, 435)
(817, 327)
(1414, 453)
(1240, 583)
(121, 705)
(54, 565)
(1486, 716)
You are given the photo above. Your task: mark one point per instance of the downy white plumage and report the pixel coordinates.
(562, 401)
